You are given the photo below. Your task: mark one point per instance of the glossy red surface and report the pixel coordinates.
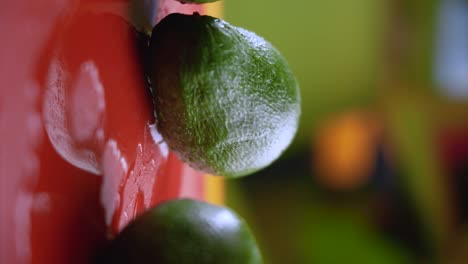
(80, 155)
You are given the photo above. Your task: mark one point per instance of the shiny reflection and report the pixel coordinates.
(114, 167)
(225, 220)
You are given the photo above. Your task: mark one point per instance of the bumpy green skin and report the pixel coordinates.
(185, 231)
(225, 99)
(196, 1)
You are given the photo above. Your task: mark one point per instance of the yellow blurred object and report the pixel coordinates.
(345, 149)
(214, 185)
(214, 189)
(214, 9)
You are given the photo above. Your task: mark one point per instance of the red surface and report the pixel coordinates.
(80, 156)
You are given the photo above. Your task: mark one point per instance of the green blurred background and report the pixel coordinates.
(332, 46)
(378, 170)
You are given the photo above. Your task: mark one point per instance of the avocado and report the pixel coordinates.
(226, 101)
(185, 231)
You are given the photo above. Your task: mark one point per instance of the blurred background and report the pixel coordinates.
(378, 172)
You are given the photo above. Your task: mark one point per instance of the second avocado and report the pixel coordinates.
(226, 101)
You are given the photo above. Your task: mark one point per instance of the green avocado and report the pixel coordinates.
(226, 101)
(185, 231)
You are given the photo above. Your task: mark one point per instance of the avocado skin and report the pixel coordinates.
(226, 101)
(184, 231)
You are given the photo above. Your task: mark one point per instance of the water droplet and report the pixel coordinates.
(86, 104)
(114, 167)
(158, 139)
(57, 120)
